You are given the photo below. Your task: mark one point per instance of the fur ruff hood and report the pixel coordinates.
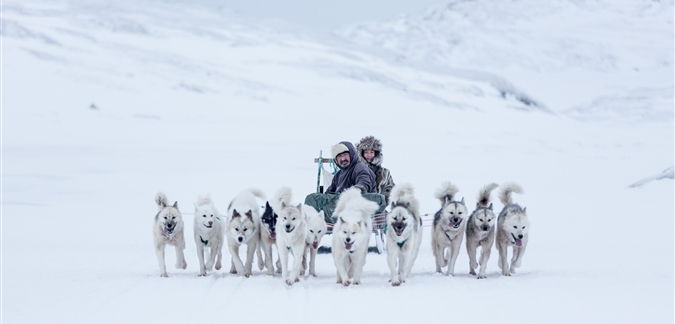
(370, 143)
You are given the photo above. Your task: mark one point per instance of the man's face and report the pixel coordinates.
(343, 159)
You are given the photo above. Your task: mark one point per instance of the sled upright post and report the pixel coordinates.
(320, 160)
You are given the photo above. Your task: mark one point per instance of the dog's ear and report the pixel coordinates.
(321, 214)
(477, 205)
(406, 205)
(447, 200)
(249, 214)
(462, 202)
(342, 220)
(393, 205)
(235, 213)
(175, 205)
(490, 207)
(299, 206)
(524, 210)
(283, 205)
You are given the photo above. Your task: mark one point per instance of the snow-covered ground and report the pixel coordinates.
(104, 104)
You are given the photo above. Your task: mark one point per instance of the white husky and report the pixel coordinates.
(404, 233)
(351, 233)
(168, 229)
(243, 227)
(208, 233)
(316, 229)
(480, 231)
(291, 235)
(448, 228)
(513, 229)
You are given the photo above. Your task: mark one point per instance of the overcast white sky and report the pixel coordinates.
(323, 14)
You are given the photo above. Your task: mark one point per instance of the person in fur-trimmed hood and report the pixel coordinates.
(369, 149)
(352, 172)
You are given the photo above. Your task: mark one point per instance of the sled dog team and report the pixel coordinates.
(298, 229)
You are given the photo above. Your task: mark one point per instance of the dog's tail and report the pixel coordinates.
(203, 200)
(446, 192)
(353, 198)
(484, 194)
(161, 200)
(506, 190)
(402, 190)
(257, 192)
(281, 198)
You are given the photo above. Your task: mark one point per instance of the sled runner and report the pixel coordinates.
(328, 201)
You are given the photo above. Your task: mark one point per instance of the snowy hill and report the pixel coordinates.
(620, 49)
(106, 103)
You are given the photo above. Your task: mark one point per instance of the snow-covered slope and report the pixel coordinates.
(106, 103)
(595, 35)
(584, 55)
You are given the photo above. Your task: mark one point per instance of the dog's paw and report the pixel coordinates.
(164, 275)
(345, 283)
(289, 282)
(247, 273)
(302, 272)
(513, 270)
(472, 272)
(181, 265)
(357, 282)
(218, 266)
(270, 272)
(482, 277)
(203, 274)
(279, 270)
(506, 273)
(312, 273)
(395, 283)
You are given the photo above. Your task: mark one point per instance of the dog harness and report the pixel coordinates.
(203, 241)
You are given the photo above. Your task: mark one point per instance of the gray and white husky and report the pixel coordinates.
(480, 231)
(291, 235)
(208, 234)
(351, 233)
(448, 228)
(513, 229)
(316, 229)
(243, 227)
(404, 233)
(168, 229)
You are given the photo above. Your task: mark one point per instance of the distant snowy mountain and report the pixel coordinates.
(595, 35)
(135, 44)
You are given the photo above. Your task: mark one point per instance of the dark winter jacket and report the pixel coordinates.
(383, 180)
(355, 174)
